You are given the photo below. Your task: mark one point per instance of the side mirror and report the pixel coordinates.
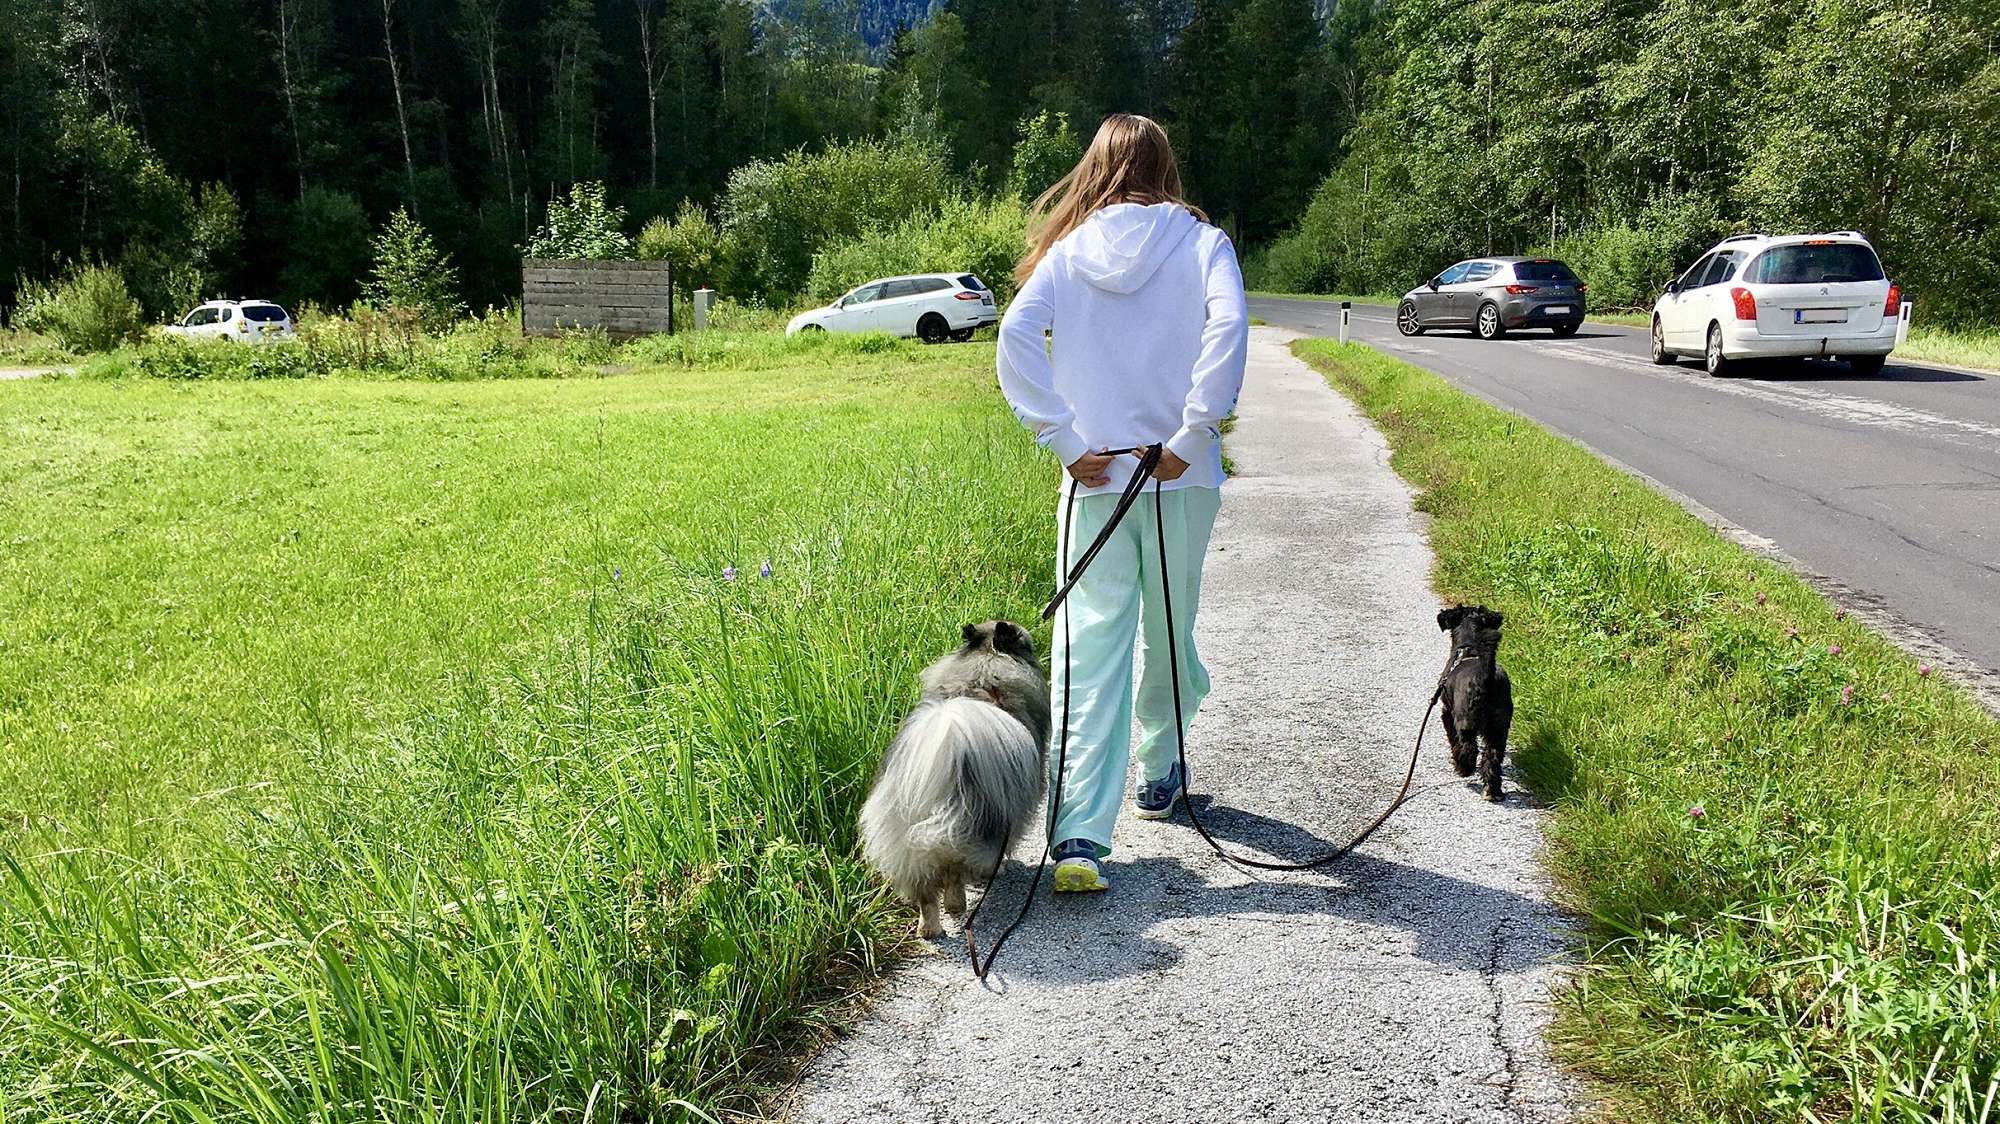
(1674, 286)
(1433, 284)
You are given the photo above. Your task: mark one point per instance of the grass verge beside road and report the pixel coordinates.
(405, 750)
(1779, 827)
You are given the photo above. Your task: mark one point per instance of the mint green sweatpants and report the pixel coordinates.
(1119, 599)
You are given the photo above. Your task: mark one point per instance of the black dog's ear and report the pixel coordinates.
(971, 633)
(1447, 618)
(1490, 618)
(1014, 640)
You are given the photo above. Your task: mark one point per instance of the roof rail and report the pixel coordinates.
(1851, 233)
(1739, 238)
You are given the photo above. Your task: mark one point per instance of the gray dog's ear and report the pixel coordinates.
(1447, 618)
(971, 633)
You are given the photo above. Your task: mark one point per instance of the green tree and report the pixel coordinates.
(691, 244)
(330, 251)
(412, 275)
(1046, 151)
(582, 225)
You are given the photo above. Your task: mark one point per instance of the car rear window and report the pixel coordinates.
(973, 283)
(1807, 263)
(263, 313)
(1542, 271)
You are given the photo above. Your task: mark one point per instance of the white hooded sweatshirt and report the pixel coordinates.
(1145, 307)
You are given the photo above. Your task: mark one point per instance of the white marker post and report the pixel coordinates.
(1345, 306)
(704, 299)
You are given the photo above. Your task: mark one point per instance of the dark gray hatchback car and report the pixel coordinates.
(1492, 295)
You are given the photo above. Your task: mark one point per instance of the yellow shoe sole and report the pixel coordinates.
(1079, 876)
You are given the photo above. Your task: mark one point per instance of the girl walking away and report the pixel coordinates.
(1142, 303)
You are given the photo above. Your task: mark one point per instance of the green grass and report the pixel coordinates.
(398, 751)
(1965, 347)
(1357, 298)
(1779, 829)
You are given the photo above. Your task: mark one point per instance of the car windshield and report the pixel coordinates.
(263, 313)
(1542, 271)
(1816, 263)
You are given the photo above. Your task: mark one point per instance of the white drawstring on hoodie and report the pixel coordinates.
(1145, 308)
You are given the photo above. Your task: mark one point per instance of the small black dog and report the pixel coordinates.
(1478, 697)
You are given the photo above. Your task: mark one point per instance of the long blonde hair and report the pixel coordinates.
(1128, 161)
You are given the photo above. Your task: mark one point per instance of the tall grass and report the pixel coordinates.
(564, 828)
(1779, 828)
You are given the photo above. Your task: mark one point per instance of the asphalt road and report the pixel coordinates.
(1886, 490)
(1406, 984)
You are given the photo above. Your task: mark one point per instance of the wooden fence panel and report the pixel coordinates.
(625, 298)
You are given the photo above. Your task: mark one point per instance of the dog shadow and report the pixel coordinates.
(1075, 939)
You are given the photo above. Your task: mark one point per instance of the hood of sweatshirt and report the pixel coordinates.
(1118, 248)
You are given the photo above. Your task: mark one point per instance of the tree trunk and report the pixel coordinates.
(287, 19)
(402, 115)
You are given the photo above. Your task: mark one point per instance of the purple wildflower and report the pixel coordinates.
(1791, 632)
(1696, 811)
(1924, 670)
(729, 573)
(1833, 649)
(1847, 695)
(1840, 614)
(616, 573)
(764, 571)
(1761, 598)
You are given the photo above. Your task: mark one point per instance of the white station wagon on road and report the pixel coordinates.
(246, 321)
(933, 307)
(1754, 296)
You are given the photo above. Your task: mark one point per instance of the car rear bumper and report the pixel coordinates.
(1741, 340)
(1538, 315)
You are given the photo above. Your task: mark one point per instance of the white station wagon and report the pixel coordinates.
(245, 321)
(1754, 296)
(934, 307)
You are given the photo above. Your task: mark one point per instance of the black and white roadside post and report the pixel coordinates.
(1345, 307)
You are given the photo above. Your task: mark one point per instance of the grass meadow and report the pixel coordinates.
(1779, 829)
(378, 750)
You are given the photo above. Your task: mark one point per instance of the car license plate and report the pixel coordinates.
(1819, 316)
(1556, 310)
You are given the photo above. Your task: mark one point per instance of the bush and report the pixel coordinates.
(984, 237)
(413, 276)
(328, 251)
(1627, 264)
(88, 308)
(691, 244)
(776, 214)
(1046, 151)
(582, 226)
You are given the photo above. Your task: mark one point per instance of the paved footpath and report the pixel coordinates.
(1409, 982)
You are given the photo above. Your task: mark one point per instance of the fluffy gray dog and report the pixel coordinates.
(964, 774)
(1478, 697)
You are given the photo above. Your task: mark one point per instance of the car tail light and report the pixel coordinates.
(1746, 303)
(1894, 305)
(966, 296)
(1582, 288)
(1517, 290)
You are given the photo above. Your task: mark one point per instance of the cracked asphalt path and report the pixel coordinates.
(1408, 982)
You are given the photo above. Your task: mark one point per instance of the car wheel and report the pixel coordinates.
(1566, 329)
(1406, 319)
(812, 327)
(1866, 364)
(1488, 324)
(933, 328)
(1717, 364)
(963, 335)
(1661, 356)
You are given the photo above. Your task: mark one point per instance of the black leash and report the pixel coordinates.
(1149, 460)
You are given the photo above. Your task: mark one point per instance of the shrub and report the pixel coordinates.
(87, 308)
(582, 226)
(328, 251)
(981, 236)
(776, 214)
(1627, 264)
(691, 244)
(412, 275)
(1046, 151)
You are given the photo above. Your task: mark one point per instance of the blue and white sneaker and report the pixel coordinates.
(1155, 800)
(1076, 867)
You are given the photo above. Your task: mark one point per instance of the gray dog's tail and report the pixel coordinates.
(955, 784)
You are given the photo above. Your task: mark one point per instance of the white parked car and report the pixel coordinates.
(246, 321)
(933, 307)
(1754, 296)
